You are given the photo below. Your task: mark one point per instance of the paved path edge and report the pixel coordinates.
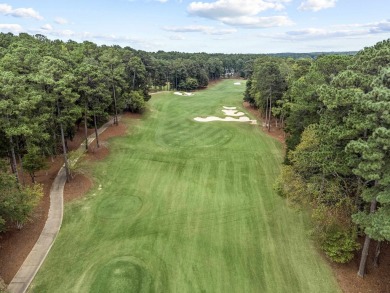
(37, 255)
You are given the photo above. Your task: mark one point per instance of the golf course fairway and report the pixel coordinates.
(186, 206)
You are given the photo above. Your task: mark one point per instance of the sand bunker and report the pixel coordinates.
(214, 118)
(183, 94)
(233, 113)
(237, 83)
(228, 111)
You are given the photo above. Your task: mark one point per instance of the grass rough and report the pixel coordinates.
(186, 207)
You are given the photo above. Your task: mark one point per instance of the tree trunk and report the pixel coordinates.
(366, 246)
(115, 106)
(65, 154)
(32, 175)
(269, 115)
(377, 253)
(114, 94)
(15, 166)
(96, 131)
(266, 113)
(85, 127)
(21, 162)
(54, 141)
(134, 80)
(21, 167)
(269, 109)
(322, 183)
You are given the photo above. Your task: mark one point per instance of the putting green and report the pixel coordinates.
(186, 206)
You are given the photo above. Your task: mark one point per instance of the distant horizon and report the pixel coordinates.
(210, 26)
(212, 53)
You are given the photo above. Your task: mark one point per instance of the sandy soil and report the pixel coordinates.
(229, 112)
(228, 119)
(183, 94)
(233, 113)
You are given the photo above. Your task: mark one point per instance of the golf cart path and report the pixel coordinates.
(36, 257)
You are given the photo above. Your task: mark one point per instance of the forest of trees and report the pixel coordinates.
(48, 88)
(51, 87)
(335, 111)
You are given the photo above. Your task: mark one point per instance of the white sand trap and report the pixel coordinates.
(183, 94)
(233, 113)
(228, 111)
(226, 119)
(237, 83)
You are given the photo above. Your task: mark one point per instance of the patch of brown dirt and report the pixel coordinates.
(129, 115)
(96, 154)
(15, 245)
(79, 138)
(117, 130)
(377, 280)
(275, 132)
(77, 187)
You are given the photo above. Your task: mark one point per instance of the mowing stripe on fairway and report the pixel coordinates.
(186, 207)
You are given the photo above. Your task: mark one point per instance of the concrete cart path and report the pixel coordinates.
(34, 260)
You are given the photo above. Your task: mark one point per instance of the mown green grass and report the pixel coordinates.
(186, 207)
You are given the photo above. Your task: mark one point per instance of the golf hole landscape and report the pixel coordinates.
(185, 206)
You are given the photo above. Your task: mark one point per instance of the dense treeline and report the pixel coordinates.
(188, 71)
(335, 111)
(312, 55)
(48, 88)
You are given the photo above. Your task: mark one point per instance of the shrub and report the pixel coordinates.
(16, 202)
(340, 246)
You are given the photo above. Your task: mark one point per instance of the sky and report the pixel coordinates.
(212, 26)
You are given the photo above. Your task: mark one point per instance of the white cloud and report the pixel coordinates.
(63, 33)
(258, 22)
(61, 20)
(112, 38)
(13, 28)
(380, 27)
(233, 8)
(177, 38)
(162, 1)
(241, 13)
(47, 27)
(199, 29)
(339, 31)
(314, 33)
(7, 9)
(317, 5)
